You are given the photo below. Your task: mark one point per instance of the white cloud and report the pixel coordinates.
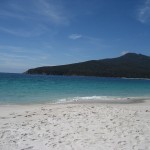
(75, 36)
(11, 48)
(25, 32)
(47, 10)
(144, 12)
(124, 52)
(16, 61)
(35, 16)
(54, 12)
(21, 58)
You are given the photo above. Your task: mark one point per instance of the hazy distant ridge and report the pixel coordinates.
(130, 65)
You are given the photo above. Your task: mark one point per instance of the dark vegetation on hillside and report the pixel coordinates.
(130, 65)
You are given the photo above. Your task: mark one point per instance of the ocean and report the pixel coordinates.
(38, 89)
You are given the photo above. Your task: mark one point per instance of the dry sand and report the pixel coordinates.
(84, 126)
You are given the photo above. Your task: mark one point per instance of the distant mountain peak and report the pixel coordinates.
(133, 55)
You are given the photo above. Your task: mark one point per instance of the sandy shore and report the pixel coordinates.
(85, 126)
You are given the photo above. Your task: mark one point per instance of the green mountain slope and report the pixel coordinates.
(130, 65)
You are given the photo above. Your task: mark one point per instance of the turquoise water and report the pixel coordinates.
(27, 89)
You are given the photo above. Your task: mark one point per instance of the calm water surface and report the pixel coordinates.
(27, 89)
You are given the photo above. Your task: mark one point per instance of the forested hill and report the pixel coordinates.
(130, 65)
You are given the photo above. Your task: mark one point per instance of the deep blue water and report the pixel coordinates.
(26, 89)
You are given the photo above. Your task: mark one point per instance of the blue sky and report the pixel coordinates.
(52, 32)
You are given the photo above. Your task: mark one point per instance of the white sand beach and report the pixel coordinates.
(84, 126)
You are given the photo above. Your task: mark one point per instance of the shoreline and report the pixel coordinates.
(90, 99)
(136, 78)
(75, 126)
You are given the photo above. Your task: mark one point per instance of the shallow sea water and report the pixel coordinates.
(29, 89)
